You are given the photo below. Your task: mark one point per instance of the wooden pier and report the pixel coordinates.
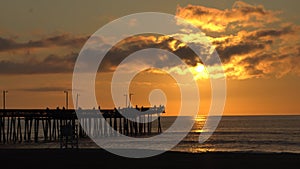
(36, 125)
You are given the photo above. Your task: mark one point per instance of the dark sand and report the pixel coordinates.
(97, 158)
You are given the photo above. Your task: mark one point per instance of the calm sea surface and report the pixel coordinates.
(234, 134)
(245, 134)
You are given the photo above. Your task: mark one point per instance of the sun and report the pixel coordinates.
(199, 72)
(199, 68)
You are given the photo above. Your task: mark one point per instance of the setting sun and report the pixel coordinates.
(199, 68)
(199, 72)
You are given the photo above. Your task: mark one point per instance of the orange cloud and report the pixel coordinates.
(252, 42)
(215, 20)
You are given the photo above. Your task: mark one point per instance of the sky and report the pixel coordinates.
(258, 43)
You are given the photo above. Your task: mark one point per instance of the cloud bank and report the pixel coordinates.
(252, 42)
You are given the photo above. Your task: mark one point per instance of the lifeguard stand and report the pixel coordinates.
(69, 136)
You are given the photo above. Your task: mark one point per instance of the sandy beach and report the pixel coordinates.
(88, 158)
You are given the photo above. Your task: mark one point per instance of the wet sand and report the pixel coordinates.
(90, 158)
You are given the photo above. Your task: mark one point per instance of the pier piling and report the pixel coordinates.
(17, 125)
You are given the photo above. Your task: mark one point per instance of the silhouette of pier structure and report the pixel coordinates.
(36, 125)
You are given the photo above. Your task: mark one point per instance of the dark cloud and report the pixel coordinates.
(255, 60)
(51, 64)
(271, 33)
(227, 52)
(132, 44)
(62, 64)
(250, 9)
(33, 64)
(252, 70)
(62, 40)
(59, 40)
(8, 44)
(268, 64)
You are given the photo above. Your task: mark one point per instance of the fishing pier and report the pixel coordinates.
(46, 125)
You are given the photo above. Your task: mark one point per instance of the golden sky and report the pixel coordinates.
(257, 41)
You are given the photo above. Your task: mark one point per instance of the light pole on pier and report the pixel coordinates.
(126, 96)
(67, 99)
(77, 96)
(130, 94)
(4, 98)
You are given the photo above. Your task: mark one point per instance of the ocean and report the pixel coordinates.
(267, 134)
(270, 134)
(257, 142)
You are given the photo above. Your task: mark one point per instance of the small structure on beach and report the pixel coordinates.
(68, 136)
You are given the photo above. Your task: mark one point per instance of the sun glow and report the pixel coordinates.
(199, 72)
(199, 68)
